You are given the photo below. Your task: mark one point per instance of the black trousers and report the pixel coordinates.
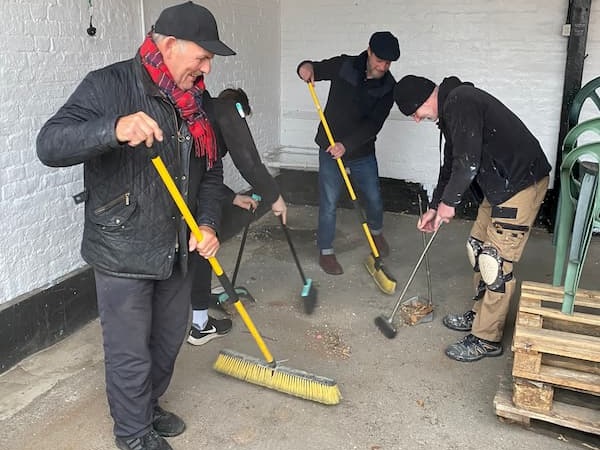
(201, 282)
(144, 323)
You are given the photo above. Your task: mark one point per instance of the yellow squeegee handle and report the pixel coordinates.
(340, 164)
(216, 267)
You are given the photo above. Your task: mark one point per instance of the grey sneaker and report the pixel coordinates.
(471, 348)
(459, 322)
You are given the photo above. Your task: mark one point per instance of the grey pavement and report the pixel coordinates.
(397, 394)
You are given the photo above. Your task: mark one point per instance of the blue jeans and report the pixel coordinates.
(364, 176)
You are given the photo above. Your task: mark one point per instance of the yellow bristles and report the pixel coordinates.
(383, 280)
(280, 378)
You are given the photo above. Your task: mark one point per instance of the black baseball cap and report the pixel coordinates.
(192, 22)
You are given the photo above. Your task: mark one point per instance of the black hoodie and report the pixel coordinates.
(488, 148)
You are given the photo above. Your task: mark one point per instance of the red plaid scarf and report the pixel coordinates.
(188, 103)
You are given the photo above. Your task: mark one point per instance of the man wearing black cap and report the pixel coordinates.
(134, 236)
(360, 99)
(489, 150)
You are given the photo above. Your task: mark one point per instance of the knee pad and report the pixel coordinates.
(490, 266)
(474, 247)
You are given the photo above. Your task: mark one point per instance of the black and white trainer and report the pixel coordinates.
(214, 328)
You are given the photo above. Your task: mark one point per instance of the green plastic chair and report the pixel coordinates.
(578, 210)
(577, 213)
(588, 91)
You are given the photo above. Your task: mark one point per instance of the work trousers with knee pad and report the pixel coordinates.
(506, 227)
(144, 323)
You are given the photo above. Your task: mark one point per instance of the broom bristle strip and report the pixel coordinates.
(280, 378)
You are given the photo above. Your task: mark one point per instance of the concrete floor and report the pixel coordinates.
(397, 394)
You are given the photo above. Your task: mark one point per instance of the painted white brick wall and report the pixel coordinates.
(45, 54)
(513, 49)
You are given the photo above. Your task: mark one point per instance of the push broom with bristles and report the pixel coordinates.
(373, 263)
(265, 373)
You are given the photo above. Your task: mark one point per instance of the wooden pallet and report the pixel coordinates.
(563, 413)
(557, 348)
(554, 352)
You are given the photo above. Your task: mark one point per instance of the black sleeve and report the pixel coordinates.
(242, 149)
(81, 129)
(228, 195)
(210, 195)
(326, 69)
(465, 126)
(443, 176)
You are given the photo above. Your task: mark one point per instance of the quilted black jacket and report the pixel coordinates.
(132, 226)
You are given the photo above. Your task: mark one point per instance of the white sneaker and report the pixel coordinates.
(214, 328)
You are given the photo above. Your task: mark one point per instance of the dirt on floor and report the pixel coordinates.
(397, 394)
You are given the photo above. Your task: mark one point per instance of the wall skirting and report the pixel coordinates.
(37, 320)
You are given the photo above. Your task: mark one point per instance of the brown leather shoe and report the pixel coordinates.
(382, 246)
(330, 264)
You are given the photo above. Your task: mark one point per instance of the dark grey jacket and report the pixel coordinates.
(132, 226)
(488, 148)
(356, 107)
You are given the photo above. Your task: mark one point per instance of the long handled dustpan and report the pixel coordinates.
(417, 309)
(386, 323)
(267, 372)
(309, 292)
(374, 263)
(241, 291)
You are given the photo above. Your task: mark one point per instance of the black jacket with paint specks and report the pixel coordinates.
(132, 227)
(487, 147)
(356, 107)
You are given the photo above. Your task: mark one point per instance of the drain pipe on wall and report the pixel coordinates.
(143, 19)
(576, 29)
(293, 158)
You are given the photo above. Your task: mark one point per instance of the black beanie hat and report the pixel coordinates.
(411, 92)
(385, 45)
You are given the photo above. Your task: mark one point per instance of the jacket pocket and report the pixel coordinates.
(116, 212)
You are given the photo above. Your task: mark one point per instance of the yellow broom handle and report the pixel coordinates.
(365, 227)
(313, 94)
(191, 222)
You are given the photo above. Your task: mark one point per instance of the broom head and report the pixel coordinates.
(386, 327)
(383, 280)
(280, 378)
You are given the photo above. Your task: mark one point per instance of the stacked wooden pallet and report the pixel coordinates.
(554, 352)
